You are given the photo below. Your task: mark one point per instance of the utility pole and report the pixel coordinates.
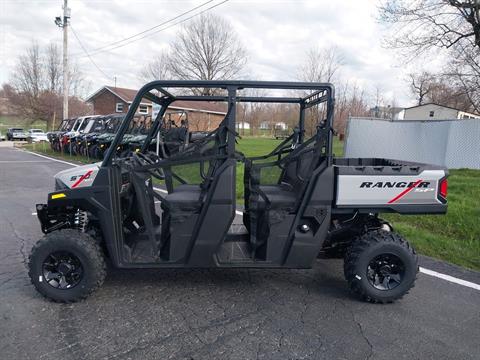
(63, 23)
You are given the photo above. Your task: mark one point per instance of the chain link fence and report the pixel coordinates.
(451, 143)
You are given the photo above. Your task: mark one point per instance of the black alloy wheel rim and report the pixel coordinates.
(62, 270)
(385, 272)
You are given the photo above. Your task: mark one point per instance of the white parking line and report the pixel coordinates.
(50, 158)
(21, 161)
(450, 278)
(425, 271)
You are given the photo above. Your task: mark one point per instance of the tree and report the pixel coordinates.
(252, 112)
(421, 85)
(35, 89)
(28, 76)
(157, 69)
(463, 71)
(320, 65)
(441, 89)
(420, 26)
(207, 48)
(447, 93)
(53, 68)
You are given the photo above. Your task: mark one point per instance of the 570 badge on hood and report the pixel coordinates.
(85, 176)
(80, 178)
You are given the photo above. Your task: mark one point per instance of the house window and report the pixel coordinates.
(119, 107)
(432, 113)
(143, 109)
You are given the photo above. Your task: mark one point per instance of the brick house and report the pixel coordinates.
(202, 116)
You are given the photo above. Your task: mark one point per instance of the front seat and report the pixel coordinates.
(267, 203)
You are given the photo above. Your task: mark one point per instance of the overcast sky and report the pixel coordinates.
(276, 34)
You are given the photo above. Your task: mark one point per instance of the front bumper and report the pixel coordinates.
(42, 214)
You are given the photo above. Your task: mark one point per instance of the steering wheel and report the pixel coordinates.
(144, 159)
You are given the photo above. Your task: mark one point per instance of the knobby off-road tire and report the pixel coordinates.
(73, 250)
(369, 254)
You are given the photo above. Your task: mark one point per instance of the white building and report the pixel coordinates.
(243, 125)
(281, 125)
(433, 111)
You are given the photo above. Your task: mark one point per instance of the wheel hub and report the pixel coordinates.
(62, 270)
(385, 272)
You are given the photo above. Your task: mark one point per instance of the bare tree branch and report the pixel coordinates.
(419, 26)
(207, 48)
(36, 85)
(156, 69)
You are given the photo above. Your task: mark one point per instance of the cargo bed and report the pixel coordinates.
(387, 185)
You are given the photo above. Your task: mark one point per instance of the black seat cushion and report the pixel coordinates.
(185, 197)
(280, 197)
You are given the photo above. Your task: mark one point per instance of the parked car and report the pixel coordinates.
(37, 135)
(16, 134)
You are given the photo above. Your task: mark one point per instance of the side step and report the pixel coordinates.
(235, 252)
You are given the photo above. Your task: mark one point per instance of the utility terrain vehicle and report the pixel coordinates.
(300, 201)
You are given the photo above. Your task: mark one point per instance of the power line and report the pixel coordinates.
(86, 52)
(104, 49)
(149, 29)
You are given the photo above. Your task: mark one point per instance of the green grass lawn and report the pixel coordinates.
(454, 237)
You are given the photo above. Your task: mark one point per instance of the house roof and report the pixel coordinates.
(447, 107)
(392, 109)
(127, 95)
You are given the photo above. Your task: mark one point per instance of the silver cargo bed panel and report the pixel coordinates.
(387, 190)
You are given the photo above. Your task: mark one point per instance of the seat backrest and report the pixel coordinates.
(176, 134)
(297, 169)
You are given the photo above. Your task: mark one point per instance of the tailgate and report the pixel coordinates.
(400, 187)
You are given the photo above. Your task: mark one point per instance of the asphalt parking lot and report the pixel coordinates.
(216, 314)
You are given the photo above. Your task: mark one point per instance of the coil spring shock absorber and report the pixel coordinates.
(80, 220)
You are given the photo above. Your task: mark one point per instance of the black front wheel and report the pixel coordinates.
(66, 265)
(380, 266)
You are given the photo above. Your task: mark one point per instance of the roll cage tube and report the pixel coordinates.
(157, 123)
(323, 92)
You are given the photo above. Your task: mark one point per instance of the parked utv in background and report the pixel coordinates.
(55, 137)
(300, 202)
(280, 131)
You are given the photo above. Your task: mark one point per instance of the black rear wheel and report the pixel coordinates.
(66, 265)
(380, 266)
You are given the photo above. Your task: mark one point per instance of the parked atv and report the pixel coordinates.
(299, 202)
(54, 137)
(100, 142)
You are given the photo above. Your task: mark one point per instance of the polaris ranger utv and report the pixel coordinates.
(300, 202)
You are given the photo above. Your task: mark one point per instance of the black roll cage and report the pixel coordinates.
(322, 92)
